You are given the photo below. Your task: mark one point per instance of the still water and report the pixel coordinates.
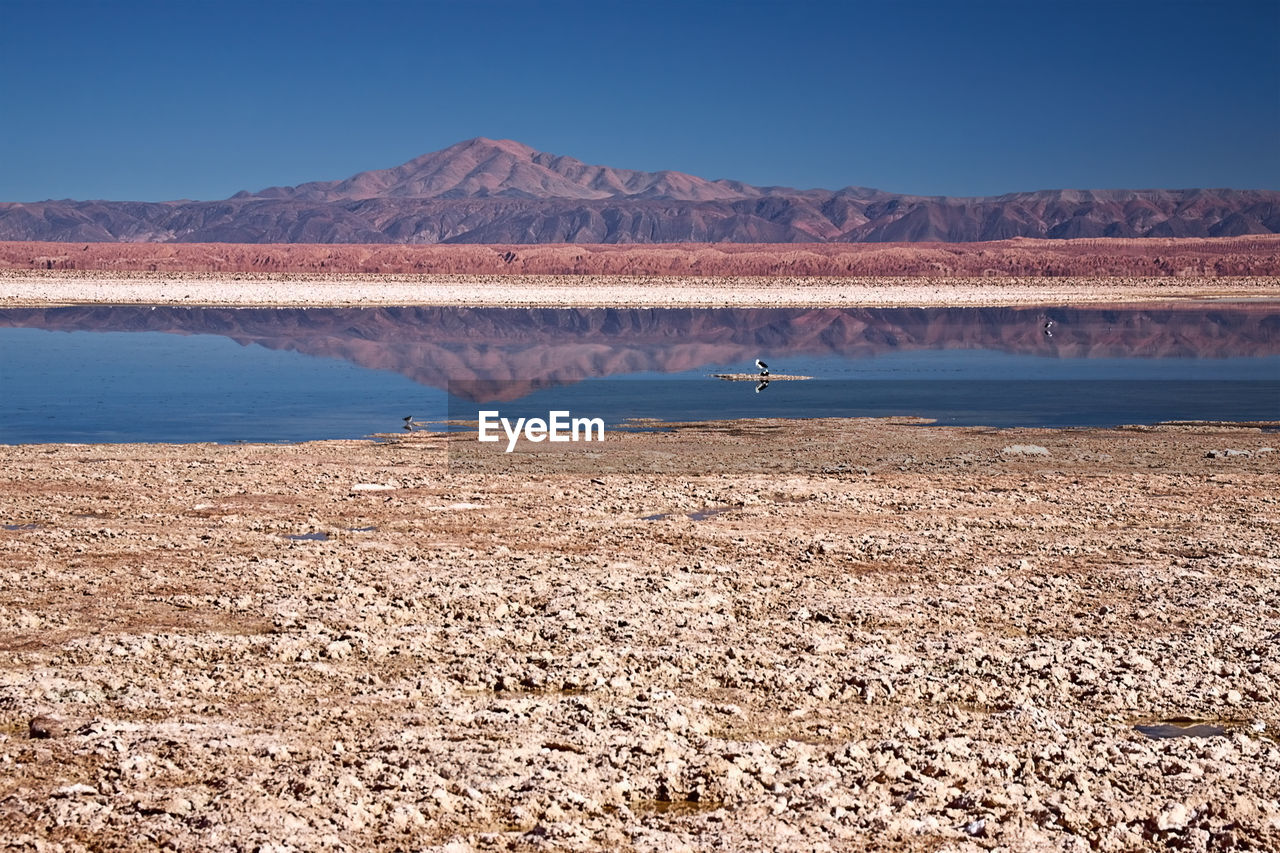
(93, 374)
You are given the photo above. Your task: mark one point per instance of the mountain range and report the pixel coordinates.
(501, 191)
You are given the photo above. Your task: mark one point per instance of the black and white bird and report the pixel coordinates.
(764, 383)
(764, 368)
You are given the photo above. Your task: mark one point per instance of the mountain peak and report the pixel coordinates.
(483, 144)
(504, 168)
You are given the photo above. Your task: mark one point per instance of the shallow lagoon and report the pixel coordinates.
(107, 373)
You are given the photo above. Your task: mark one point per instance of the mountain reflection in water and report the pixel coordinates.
(506, 353)
(176, 374)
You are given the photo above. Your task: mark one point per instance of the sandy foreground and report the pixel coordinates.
(26, 288)
(882, 636)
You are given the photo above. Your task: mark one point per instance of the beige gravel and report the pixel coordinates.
(900, 636)
(55, 287)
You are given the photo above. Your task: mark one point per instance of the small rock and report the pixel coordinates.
(177, 806)
(79, 789)
(1173, 816)
(44, 726)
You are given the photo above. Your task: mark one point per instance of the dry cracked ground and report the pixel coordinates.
(877, 636)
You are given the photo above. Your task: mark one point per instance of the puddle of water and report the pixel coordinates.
(32, 526)
(370, 529)
(1180, 728)
(674, 808)
(308, 537)
(709, 512)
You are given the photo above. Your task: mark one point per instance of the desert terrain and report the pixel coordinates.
(1151, 258)
(876, 635)
(1004, 273)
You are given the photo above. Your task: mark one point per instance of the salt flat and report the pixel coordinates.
(74, 287)
(903, 637)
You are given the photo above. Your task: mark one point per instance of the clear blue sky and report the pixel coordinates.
(193, 99)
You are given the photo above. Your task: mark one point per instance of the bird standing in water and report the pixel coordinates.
(764, 368)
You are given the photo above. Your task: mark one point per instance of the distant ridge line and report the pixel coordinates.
(504, 192)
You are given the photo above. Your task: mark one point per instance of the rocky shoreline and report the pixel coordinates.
(907, 637)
